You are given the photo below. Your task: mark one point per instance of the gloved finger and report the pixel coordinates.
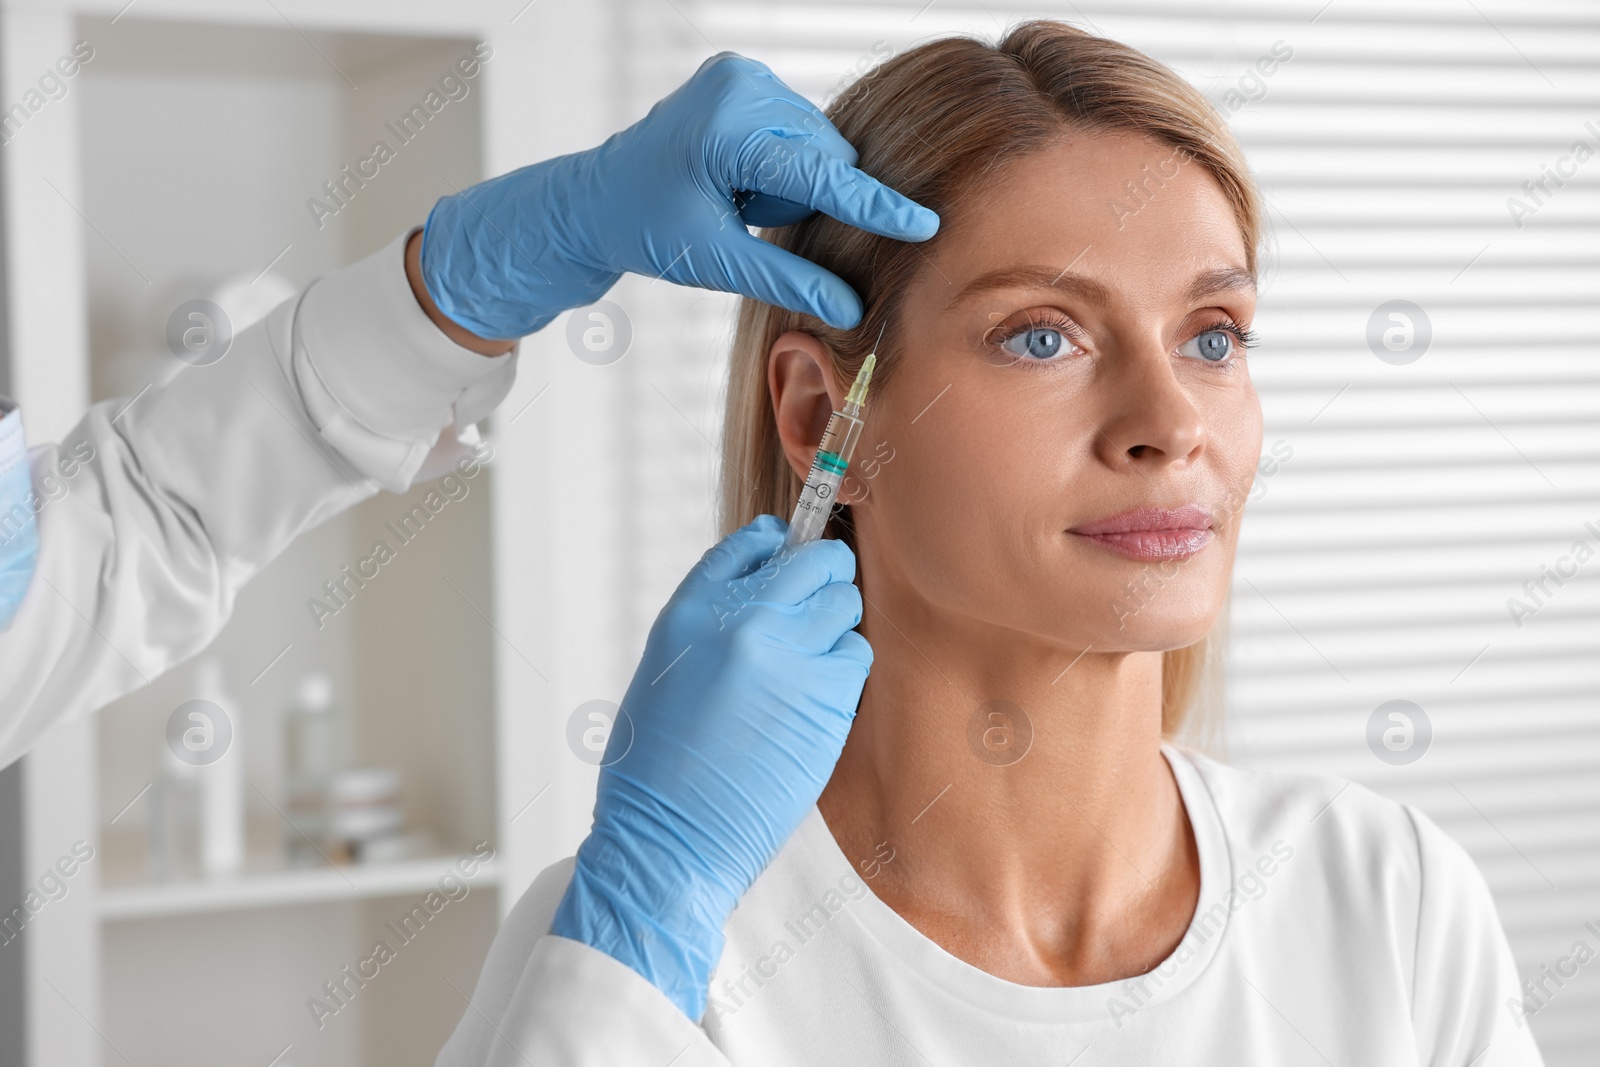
(743, 263)
(807, 174)
(743, 66)
(803, 123)
(794, 575)
(854, 648)
(759, 209)
(816, 624)
(809, 126)
(793, 114)
(742, 551)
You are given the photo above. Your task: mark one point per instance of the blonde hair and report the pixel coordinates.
(936, 123)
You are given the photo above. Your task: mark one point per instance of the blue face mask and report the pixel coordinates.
(19, 531)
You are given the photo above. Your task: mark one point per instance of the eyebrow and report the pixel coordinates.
(1037, 276)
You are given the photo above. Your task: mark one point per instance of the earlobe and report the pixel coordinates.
(804, 393)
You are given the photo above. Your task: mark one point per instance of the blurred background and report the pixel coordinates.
(1415, 604)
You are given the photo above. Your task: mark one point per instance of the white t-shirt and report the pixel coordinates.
(1333, 927)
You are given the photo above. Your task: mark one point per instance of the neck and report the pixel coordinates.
(1055, 859)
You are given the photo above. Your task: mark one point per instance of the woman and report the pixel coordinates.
(1012, 861)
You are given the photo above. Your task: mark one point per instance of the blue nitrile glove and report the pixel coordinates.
(668, 197)
(19, 530)
(730, 729)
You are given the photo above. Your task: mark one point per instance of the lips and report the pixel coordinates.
(1151, 533)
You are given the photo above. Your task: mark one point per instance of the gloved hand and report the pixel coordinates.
(668, 197)
(19, 530)
(733, 724)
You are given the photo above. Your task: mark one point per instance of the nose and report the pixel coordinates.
(1150, 420)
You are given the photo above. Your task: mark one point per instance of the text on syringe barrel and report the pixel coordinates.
(826, 474)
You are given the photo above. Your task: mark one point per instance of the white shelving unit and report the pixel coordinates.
(183, 153)
(283, 889)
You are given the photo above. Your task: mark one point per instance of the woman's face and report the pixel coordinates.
(1065, 356)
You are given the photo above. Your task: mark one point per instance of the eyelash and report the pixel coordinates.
(1246, 337)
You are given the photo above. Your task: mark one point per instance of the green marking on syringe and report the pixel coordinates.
(831, 463)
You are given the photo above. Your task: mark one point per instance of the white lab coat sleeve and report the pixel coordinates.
(152, 513)
(1466, 988)
(543, 999)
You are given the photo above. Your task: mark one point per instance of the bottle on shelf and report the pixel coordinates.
(197, 803)
(311, 757)
(221, 778)
(174, 820)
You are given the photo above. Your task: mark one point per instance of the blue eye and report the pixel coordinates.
(1213, 346)
(1036, 342)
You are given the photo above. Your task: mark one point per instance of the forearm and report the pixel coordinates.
(152, 514)
(180, 496)
(543, 998)
(578, 1007)
(459, 334)
(666, 928)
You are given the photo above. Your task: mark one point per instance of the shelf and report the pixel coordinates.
(314, 885)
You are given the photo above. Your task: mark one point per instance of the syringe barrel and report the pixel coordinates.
(821, 491)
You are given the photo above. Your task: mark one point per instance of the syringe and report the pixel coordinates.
(816, 501)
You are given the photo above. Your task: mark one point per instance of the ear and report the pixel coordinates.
(804, 394)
